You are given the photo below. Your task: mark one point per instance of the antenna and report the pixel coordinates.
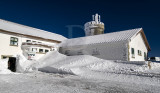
(93, 17)
(96, 18)
(99, 18)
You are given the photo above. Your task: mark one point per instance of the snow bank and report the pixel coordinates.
(155, 68)
(85, 65)
(24, 65)
(4, 66)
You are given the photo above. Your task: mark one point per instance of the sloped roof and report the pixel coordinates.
(108, 37)
(26, 30)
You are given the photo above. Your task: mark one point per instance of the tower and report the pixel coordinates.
(94, 27)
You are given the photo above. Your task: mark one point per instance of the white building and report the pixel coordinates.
(14, 37)
(128, 45)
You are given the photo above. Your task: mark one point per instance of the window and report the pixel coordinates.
(132, 51)
(5, 56)
(31, 54)
(46, 51)
(34, 41)
(13, 41)
(139, 52)
(28, 41)
(34, 49)
(145, 56)
(41, 50)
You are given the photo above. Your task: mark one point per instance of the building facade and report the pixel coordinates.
(129, 45)
(13, 36)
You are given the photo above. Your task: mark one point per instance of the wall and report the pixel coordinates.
(138, 44)
(109, 51)
(7, 50)
(37, 53)
(42, 41)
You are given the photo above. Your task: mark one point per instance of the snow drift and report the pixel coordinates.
(84, 65)
(4, 66)
(24, 65)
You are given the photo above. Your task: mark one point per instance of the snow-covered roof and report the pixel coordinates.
(26, 30)
(108, 37)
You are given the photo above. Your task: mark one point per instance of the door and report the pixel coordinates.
(12, 64)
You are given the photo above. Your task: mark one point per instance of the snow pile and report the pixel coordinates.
(4, 66)
(86, 65)
(155, 68)
(24, 65)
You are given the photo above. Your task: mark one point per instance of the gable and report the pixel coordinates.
(141, 32)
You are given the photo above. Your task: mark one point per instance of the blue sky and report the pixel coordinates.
(118, 15)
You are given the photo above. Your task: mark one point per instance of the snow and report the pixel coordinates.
(109, 37)
(23, 65)
(4, 66)
(56, 83)
(81, 74)
(25, 30)
(86, 65)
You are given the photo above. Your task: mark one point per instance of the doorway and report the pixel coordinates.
(12, 64)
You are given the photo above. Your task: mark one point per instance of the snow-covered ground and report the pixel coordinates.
(58, 83)
(81, 74)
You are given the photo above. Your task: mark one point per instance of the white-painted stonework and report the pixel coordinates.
(110, 46)
(138, 44)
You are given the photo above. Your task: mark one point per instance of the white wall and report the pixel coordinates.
(138, 44)
(44, 42)
(6, 49)
(37, 53)
(109, 51)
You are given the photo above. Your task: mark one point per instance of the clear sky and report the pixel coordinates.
(55, 15)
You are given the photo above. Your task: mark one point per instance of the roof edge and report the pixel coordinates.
(29, 27)
(144, 38)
